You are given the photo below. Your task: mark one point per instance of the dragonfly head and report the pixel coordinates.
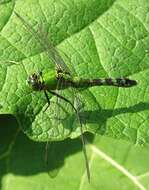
(34, 81)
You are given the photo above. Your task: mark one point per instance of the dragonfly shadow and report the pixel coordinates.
(100, 117)
(59, 151)
(34, 156)
(27, 157)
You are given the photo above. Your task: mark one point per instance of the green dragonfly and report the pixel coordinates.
(59, 79)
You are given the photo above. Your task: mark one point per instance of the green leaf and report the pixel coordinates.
(99, 38)
(96, 39)
(114, 164)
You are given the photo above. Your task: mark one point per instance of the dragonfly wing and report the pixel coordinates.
(52, 52)
(79, 106)
(45, 43)
(55, 57)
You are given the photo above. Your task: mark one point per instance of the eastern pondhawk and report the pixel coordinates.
(55, 81)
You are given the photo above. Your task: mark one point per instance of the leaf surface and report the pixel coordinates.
(98, 39)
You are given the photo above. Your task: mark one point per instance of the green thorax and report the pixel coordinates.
(54, 80)
(50, 80)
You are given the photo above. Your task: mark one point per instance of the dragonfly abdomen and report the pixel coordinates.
(119, 82)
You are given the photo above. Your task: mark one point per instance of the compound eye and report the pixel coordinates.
(33, 81)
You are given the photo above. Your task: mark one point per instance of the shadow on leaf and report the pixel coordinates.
(26, 157)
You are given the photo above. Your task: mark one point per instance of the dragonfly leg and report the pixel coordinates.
(63, 98)
(48, 100)
(45, 92)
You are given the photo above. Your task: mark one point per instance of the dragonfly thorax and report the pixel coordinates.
(35, 82)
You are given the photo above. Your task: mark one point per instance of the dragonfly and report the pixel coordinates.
(56, 80)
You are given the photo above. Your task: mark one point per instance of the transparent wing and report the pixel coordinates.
(46, 45)
(60, 66)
